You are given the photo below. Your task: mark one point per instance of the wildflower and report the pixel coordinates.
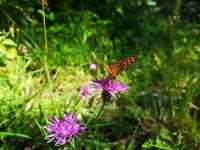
(62, 130)
(85, 91)
(110, 86)
(93, 66)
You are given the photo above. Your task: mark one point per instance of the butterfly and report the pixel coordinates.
(120, 65)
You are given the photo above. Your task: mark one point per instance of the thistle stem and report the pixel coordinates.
(100, 111)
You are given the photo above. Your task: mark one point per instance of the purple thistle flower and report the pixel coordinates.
(62, 130)
(93, 66)
(85, 91)
(109, 85)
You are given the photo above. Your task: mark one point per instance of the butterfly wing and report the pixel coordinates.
(120, 65)
(114, 69)
(129, 61)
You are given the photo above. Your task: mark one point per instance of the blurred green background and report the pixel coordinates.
(46, 48)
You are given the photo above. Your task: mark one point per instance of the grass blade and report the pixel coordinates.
(15, 134)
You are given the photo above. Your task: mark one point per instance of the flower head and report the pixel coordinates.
(62, 130)
(93, 66)
(109, 85)
(85, 91)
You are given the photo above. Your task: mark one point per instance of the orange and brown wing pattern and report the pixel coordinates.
(120, 65)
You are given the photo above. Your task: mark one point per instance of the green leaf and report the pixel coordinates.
(15, 134)
(12, 53)
(41, 128)
(2, 49)
(8, 42)
(165, 134)
(104, 123)
(2, 37)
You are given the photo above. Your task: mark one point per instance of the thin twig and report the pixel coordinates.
(44, 26)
